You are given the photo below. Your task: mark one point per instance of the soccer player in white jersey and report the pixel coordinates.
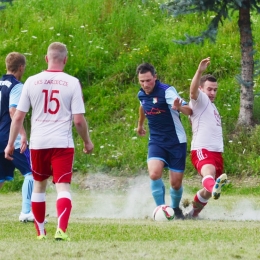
(56, 100)
(207, 139)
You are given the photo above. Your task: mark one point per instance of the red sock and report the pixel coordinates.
(38, 209)
(208, 183)
(198, 204)
(63, 206)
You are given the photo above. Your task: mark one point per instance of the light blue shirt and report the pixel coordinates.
(13, 102)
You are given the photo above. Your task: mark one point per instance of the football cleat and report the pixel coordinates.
(220, 182)
(42, 237)
(60, 235)
(29, 217)
(178, 213)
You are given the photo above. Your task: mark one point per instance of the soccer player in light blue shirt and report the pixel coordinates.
(10, 91)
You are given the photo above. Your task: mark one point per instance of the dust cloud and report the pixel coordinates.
(133, 200)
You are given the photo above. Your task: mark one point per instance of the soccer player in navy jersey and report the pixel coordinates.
(161, 105)
(10, 91)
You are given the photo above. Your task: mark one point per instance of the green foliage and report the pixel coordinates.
(106, 40)
(15, 185)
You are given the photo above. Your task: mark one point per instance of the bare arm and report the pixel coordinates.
(16, 125)
(140, 128)
(195, 83)
(82, 129)
(22, 131)
(185, 109)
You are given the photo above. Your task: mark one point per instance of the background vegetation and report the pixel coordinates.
(106, 40)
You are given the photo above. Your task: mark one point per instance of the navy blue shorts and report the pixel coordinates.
(173, 157)
(21, 162)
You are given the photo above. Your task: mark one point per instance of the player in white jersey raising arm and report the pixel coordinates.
(207, 139)
(56, 99)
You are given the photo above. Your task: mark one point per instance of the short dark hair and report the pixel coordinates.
(145, 67)
(14, 60)
(207, 77)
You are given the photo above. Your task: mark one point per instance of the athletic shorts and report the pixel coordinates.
(174, 157)
(55, 162)
(21, 161)
(203, 156)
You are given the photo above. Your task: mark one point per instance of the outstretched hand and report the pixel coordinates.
(177, 103)
(204, 64)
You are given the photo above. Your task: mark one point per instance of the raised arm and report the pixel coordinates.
(195, 83)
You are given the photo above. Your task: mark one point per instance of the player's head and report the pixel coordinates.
(57, 53)
(147, 76)
(209, 85)
(15, 63)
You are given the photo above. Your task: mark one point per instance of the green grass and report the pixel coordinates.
(228, 229)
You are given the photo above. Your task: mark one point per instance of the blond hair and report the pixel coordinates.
(57, 51)
(14, 60)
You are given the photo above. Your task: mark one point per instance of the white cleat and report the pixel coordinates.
(29, 217)
(220, 182)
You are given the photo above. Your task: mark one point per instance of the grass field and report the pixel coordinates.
(114, 223)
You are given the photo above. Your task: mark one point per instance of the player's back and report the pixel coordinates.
(54, 98)
(7, 82)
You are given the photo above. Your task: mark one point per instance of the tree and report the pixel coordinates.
(222, 8)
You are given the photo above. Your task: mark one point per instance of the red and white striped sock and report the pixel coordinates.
(198, 204)
(39, 209)
(64, 206)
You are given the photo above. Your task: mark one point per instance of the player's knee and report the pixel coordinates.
(176, 185)
(154, 176)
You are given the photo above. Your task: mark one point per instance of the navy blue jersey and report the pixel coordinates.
(164, 123)
(7, 82)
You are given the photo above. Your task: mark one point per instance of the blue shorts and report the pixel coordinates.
(174, 157)
(21, 161)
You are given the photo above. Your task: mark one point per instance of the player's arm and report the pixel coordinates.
(14, 98)
(82, 129)
(140, 127)
(17, 123)
(186, 110)
(181, 106)
(195, 83)
(22, 131)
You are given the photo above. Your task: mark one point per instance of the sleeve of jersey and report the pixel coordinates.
(24, 101)
(171, 94)
(198, 100)
(15, 95)
(77, 104)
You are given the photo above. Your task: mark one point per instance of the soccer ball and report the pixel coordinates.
(163, 213)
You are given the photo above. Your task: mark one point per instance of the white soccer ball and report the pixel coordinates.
(163, 213)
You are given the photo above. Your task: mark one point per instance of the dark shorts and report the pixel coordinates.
(203, 156)
(55, 162)
(21, 161)
(174, 157)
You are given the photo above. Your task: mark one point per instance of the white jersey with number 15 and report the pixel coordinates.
(54, 97)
